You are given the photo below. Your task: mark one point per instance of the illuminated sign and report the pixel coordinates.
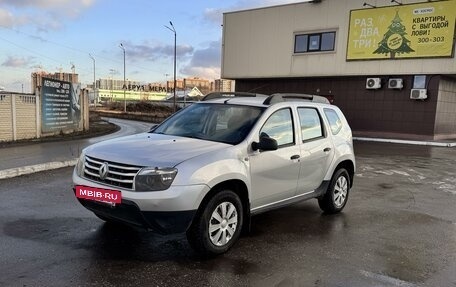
(405, 31)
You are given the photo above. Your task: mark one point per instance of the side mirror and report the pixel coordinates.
(266, 143)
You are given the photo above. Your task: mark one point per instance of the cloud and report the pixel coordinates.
(45, 4)
(45, 14)
(213, 15)
(8, 19)
(150, 52)
(18, 62)
(205, 63)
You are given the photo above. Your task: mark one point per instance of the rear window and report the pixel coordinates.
(334, 121)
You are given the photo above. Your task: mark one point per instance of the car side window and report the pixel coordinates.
(311, 126)
(279, 126)
(334, 121)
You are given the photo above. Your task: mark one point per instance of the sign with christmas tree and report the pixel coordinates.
(407, 31)
(394, 40)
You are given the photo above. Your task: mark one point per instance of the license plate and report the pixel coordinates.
(99, 194)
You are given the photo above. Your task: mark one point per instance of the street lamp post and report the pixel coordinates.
(94, 82)
(172, 29)
(124, 86)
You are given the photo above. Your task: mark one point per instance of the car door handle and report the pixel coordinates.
(328, 149)
(296, 156)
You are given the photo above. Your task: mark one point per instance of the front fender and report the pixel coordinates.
(213, 168)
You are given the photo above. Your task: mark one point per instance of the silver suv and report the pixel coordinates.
(208, 168)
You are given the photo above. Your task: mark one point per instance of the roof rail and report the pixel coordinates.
(285, 97)
(218, 95)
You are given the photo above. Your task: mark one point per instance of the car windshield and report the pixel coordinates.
(214, 122)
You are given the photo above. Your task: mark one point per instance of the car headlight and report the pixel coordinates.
(80, 165)
(154, 179)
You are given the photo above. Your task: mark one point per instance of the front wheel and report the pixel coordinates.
(336, 196)
(217, 226)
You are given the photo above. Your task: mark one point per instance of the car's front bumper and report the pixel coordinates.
(128, 213)
(167, 211)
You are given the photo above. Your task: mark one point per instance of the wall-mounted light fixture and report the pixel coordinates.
(369, 5)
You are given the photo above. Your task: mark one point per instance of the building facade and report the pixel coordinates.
(223, 85)
(391, 68)
(184, 84)
(37, 78)
(115, 90)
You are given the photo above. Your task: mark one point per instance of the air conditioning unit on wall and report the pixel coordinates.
(373, 83)
(418, 94)
(395, 83)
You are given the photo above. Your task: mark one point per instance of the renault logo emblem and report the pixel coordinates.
(103, 172)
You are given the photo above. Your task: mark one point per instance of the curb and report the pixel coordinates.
(425, 143)
(17, 171)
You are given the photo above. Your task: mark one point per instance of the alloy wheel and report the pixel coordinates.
(340, 191)
(223, 223)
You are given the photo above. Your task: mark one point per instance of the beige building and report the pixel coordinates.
(37, 78)
(223, 85)
(203, 85)
(389, 67)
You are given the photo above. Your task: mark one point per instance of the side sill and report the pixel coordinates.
(320, 191)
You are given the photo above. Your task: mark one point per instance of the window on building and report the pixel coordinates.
(419, 82)
(314, 42)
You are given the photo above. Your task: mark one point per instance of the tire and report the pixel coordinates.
(336, 195)
(217, 225)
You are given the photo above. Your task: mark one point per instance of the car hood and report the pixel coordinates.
(148, 149)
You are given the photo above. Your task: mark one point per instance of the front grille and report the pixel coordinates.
(120, 175)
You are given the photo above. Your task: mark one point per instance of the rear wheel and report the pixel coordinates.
(217, 226)
(336, 196)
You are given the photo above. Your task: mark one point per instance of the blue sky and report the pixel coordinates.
(53, 35)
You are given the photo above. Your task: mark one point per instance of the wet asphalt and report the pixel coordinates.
(398, 229)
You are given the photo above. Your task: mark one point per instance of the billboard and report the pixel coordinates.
(402, 31)
(60, 106)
